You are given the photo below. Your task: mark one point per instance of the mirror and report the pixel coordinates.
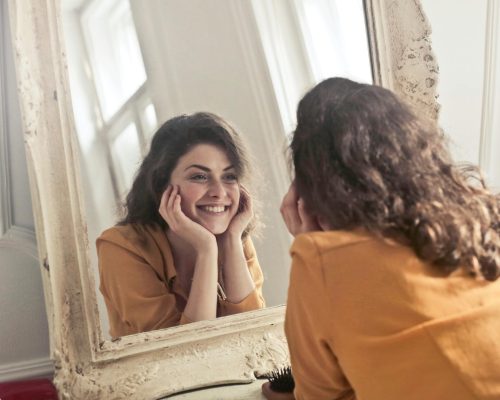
(161, 362)
(135, 64)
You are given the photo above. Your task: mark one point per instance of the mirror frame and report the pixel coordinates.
(154, 364)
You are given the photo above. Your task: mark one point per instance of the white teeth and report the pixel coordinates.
(214, 209)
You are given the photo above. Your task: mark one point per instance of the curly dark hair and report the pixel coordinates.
(363, 158)
(171, 141)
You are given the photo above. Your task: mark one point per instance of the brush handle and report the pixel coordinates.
(270, 394)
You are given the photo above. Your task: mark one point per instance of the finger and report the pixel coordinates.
(245, 201)
(323, 224)
(164, 201)
(244, 189)
(291, 197)
(176, 205)
(290, 222)
(249, 205)
(290, 216)
(308, 222)
(289, 208)
(172, 216)
(164, 197)
(171, 198)
(176, 208)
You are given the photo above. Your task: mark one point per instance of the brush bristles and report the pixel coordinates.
(281, 380)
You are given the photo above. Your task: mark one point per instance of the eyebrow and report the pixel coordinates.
(206, 169)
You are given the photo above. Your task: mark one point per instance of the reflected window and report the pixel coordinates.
(126, 155)
(336, 39)
(114, 114)
(149, 120)
(114, 53)
(306, 41)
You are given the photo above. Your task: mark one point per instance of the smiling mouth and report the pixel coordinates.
(214, 209)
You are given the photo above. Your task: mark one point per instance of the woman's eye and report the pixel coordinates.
(198, 177)
(230, 178)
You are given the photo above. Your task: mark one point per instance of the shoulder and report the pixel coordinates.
(357, 252)
(130, 236)
(133, 245)
(321, 243)
(121, 234)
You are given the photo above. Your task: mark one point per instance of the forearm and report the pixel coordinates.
(202, 300)
(238, 282)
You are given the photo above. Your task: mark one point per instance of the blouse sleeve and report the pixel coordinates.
(315, 368)
(255, 300)
(137, 299)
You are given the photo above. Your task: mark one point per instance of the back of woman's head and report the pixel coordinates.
(171, 141)
(364, 159)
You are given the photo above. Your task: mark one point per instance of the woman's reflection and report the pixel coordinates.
(183, 252)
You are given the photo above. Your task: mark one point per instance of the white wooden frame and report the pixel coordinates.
(149, 365)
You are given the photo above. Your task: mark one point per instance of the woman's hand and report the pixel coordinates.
(202, 300)
(238, 282)
(188, 230)
(243, 216)
(293, 211)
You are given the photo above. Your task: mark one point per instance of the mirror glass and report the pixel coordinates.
(135, 64)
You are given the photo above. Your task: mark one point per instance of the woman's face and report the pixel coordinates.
(209, 188)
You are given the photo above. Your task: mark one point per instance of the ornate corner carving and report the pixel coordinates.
(415, 67)
(268, 353)
(417, 74)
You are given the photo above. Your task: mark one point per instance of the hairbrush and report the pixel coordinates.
(281, 380)
(280, 385)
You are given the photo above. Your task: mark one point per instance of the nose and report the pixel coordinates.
(216, 189)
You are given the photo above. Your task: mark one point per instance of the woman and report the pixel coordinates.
(393, 291)
(183, 252)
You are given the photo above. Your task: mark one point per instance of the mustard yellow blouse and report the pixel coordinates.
(367, 320)
(138, 281)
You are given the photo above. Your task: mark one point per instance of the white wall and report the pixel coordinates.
(24, 341)
(466, 41)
